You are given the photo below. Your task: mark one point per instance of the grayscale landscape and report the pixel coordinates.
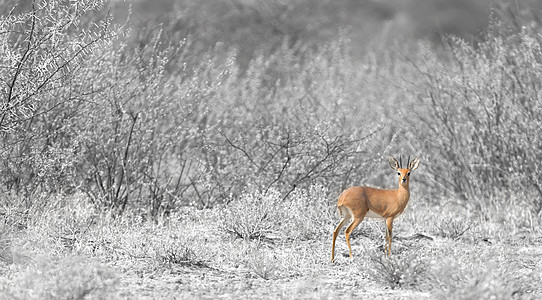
(196, 149)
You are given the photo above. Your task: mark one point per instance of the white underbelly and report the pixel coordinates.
(372, 214)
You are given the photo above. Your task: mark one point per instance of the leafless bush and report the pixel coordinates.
(131, 131)
(479, 112)
(43, 50)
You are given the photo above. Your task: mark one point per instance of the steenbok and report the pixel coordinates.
(359, 202)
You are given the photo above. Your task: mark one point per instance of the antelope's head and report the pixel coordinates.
(404, 173)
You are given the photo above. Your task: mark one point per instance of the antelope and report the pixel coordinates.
(358, 202)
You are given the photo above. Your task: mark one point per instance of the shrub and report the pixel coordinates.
(131, 132)
(478, 112)
(453, 228)
(181, 255)
(263, 263)
(43, 52)
(253, 215)
(399, 271)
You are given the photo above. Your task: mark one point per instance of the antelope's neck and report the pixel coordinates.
(403, 194)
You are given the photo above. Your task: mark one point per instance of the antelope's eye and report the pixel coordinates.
(399, 173)
(408, 174)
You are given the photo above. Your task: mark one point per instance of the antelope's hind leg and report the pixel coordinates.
(344, 220)
(358, 217)
(349, 230)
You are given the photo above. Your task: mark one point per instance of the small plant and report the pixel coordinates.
(183, 256)
(453, 228)
(398, 272)
(263, 264)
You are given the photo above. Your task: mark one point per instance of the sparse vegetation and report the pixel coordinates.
(146, 158)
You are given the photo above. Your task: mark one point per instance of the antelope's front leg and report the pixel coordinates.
(389, 228)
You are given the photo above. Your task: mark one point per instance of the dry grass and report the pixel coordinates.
(189, 255)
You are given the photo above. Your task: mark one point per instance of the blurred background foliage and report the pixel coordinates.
(257, 25)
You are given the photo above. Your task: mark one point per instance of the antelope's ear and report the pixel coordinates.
(414, 164)
(393, 162)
